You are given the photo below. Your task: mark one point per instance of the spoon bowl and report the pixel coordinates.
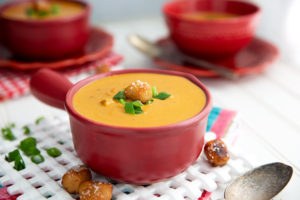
(262, 183)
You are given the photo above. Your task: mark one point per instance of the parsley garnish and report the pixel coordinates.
(16, 156)
(53, 152)
(19, 163)
(12, 155)
(154, 91)
(28, 146)
(7, 132)
(120, 95)
(135, 107)
(38, 120)
(26, 130)
(162, 96)
(129, 108)
(37, 159)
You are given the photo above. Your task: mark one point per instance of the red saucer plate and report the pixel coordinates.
(99, 45)
(254, 58)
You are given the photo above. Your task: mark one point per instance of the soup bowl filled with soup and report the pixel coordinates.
(212, 29)
(137, 126)
(44, 29)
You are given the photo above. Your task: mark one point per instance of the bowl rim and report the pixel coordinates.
(86, 12)
(245, 17)
(138, 130)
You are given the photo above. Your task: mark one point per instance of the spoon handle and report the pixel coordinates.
(220, 70)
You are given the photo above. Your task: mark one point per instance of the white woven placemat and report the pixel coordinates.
(43, 181)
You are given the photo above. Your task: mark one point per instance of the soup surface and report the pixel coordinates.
(186, 100)
(208, 15)
(57, 9)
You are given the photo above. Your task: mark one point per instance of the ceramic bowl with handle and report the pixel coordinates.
(133, 155)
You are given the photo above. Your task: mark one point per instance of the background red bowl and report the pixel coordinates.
(133, 155)
(211, 38)
(45, 39)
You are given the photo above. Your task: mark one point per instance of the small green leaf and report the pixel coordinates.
(42, 13)
(11, 125)
(54, 9)
(37, 159)
(12, 155)
(129, 108)
(119, 95)
(149, 102)
(53, 152)
(8, 134)
(162, 96)
(138, 110)
(154, 91)
(38, 120)
(122, 101)
(19, 163)
(29, 12)
(28, 146)
(27, 143)
(137, 103)
(26, 130)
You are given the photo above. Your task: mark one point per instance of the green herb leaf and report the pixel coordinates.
(12, 155)
(138, 110)
(129, 108)
(8, 134)
(26, 130)
(55, 9)
(28, 146)
(37, 159)
(42, 13)
(154, 91)
(120, 95)
(27, 143)
(122, 101)
(29, 12)
(19, 163)
(137, 103)
(162, 96)
(149, 102)
(53, 152)
(38, 120)
(11, 125)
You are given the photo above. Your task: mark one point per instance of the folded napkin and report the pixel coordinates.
(219, 121)
(14, 83)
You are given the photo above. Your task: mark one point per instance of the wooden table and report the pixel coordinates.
(268, 103)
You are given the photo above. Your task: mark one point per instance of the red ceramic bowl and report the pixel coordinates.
(133, 155)
(211, 38)
(45, 39)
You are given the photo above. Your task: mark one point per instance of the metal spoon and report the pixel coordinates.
(156, 51)
(262, 183)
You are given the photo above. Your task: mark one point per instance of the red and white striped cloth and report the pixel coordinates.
(14, 83)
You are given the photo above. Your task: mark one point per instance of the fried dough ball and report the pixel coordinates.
(216, 152)
(41, 6)
(93, 190)
(139, 91)
(74, 177)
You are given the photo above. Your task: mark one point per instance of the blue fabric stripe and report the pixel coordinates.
(212, 117)
(1, 186)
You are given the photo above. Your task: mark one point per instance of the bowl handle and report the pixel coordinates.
(50, 87)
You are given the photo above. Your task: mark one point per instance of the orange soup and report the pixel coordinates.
(186, 100)
(208, 15)
(54, 10)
